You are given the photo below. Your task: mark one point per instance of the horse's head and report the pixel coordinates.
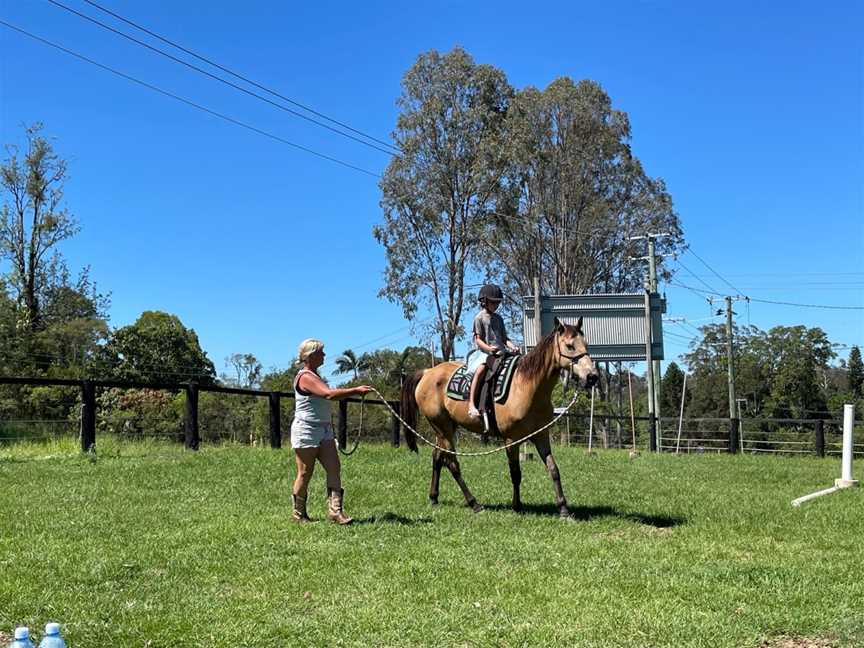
(573, 353)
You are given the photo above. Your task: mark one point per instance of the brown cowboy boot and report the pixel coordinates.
(299, 513)
(334, 506)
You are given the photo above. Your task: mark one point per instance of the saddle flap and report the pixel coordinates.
(459, 385)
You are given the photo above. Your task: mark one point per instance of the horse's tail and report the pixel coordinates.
(408, 408)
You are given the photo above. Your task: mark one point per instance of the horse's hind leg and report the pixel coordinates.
(515, 475)
(544, 450)
(446, 442)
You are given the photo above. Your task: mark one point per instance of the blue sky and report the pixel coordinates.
(751, 113)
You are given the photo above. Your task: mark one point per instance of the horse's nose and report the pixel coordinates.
(591, 380)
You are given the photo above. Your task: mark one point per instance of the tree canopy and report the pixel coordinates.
(158, 348)
(782, 372)
(437, 192)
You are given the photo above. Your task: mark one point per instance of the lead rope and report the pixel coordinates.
(348, 453)
(471, 454)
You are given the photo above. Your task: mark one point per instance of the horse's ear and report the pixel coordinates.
(559, 327)
(579, 325)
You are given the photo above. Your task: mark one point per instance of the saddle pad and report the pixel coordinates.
(459, 385)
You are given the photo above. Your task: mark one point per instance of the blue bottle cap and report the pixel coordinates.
(52, 628)
(22, 633)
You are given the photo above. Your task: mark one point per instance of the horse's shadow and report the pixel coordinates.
(587, 513)
(391, 518)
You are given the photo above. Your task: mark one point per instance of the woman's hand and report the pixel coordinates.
(362, 390)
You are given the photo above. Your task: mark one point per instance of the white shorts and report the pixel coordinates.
(476, 358)
(310, 435)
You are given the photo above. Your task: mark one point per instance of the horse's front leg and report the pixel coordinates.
(544, 450)
(515, 475)
(437, 463)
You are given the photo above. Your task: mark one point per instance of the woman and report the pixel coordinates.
(312, 434)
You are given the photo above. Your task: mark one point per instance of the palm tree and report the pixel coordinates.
(348, 362)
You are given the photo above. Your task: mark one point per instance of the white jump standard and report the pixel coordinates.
(845, 480)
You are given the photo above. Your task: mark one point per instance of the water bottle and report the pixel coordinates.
(52, 638)
(22, 639)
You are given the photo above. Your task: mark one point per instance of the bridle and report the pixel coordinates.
(573, 359)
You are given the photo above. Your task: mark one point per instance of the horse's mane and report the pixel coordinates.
(535, 363)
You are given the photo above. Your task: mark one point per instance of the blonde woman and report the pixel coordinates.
(311, 432)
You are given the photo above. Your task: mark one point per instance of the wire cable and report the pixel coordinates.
(238, 75)
(697, 278)
(215, 77)
(690, 250)
(214, 113)
(783, 303)
(697, 290)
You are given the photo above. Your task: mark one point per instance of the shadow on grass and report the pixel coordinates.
(392, 518)
(586, 513)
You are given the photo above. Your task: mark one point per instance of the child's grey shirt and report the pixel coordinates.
(489, 327)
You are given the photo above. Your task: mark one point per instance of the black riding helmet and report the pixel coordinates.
(490, 292)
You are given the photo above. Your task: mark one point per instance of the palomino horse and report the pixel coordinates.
(528, 407)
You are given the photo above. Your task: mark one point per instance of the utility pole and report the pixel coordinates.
(655, 365)
(653, 437)
(652, 366)
(730, 361)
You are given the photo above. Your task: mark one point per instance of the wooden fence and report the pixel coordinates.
(190, 419)
(787, 436)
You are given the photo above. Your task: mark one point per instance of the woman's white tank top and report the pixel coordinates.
(309, 408)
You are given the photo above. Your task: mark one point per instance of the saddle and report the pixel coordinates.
(496, 381)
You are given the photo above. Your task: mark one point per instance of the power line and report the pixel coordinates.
(215, 77)
(690, 250)
(697, 278)
(782, 303)
(796, 274)
(238, 75)
(187, 101)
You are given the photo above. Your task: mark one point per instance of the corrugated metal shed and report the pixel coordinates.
(614, 325)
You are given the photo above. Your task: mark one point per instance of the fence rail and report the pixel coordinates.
(780, 436)
(191, 428)
(820, 437)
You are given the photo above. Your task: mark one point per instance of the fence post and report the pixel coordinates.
(88, 415)
(733, 435)
(191, 418)
(395, 424)
(652, 431)
(342, 426)
(820, 438)
(275, 421)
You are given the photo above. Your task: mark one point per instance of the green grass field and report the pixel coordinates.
(149, 545)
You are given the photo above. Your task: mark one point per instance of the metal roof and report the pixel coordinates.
(614, 325)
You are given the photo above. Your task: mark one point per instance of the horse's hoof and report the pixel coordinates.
(566, 515)
(476, 507)
(433, 501)
(517, 507)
